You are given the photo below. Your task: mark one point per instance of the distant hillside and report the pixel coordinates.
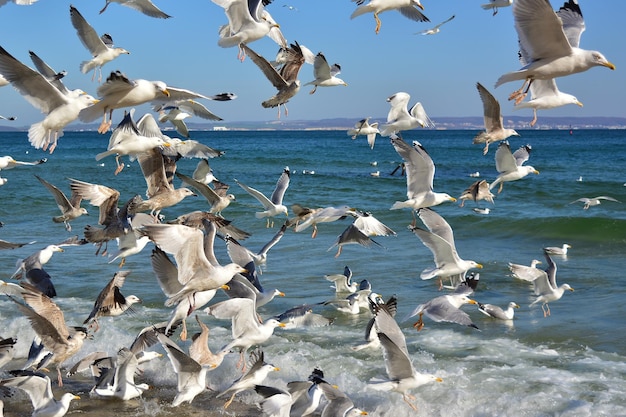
(452, 123)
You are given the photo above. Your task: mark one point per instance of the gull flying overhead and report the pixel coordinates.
(363, 127)
(401, 118)
(494, 127)
(176, 112)
(111, 302)
(435, 29)
(510, 165)
(285, 79)
(478, 190)
(144, 6)
(325, 74)
(101, 48)
(495, 5)
(273, 205)
(552, 41)
(408, 8)
(439, 238)
(217, 197)
(595, 201)
(60, 109)
(70, 208)
(420, 173)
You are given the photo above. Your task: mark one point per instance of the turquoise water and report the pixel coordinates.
(568, 364)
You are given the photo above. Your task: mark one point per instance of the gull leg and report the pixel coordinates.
(419, 325)
(377, 23)
(338, 251)
(59, 378)
(408, 399)
(313, 91)
(534, 120)
(486, 147)
(183, 332)
(548, 309)
(123, 262)
(286, 110)
(120, 166)
(232, 397)
(314, 234)
(500, 189)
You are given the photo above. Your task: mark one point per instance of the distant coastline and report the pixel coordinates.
(441, 123)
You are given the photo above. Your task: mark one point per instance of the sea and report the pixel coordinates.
(571, 363)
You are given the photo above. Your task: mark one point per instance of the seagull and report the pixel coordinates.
(325, 75)
(496, 4)
(248, 21)
(510, 165)
(439, 238)
(360, 232)
(176, 112)
(306, 395)
(546, 288)
(32, 268)
(70, 208)
(203, 172)
(479, 190)
(420, 173)
(195, 272)
(273, 205)
(494, 128)
(6, 345)
(218, 197)
(48, 322)
(402, 375)
(444, 308)
(526, 273)
(408, 8)
(243, 256)
(114, 219)
(60, 109)
(257, 373)
(128, 140)
(363, 127)
(544, 94)
(324, 215)
(190, 374)
(338, 403)
(133, 241)
(110, 301)
(401, 118)
(285, 79)
(435, 29)
(276, 402)
(552, 41)
(51, 75)
(246, 329)
(343, 282)
(38, 388)
(119, 91)
(555, 250)
(144, 6)
(199, 348)
(588, 202)
(100, 47)
(497, 312)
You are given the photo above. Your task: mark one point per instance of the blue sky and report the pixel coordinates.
(439, 70)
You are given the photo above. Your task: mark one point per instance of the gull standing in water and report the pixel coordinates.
(408, 8)
(100, 47)
(420, 173)
(546, 288)
(552, 41)
(494, 128)
(401, 118)
(510, 165)
(557, 250)
(273, 205)
(402, 375)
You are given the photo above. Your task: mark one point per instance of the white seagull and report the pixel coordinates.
(439, 238)
(273, 205)
(420, 173)
(144, 6)
(546, 288)
(552, 41)
(435, 29)
(363, 127)
(408, 8)
(60, 109)
(325, 74)
(101, 47)
(401, 118)
(498, 312)
(557, 250)
(595, 201)
(510, 165)
(495, 5)
(70, 208)
(494, 127)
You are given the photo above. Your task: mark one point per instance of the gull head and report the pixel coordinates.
(599, 59)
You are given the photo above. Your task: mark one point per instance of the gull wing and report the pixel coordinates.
(505, 162)
(270, 72)
(573, 23)
(540, 30)
(281, 187)
(321, 69)
(491, 109)
(397, 362)
(256, 194)
(86, 33)
(420, 169)
(206, 191)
